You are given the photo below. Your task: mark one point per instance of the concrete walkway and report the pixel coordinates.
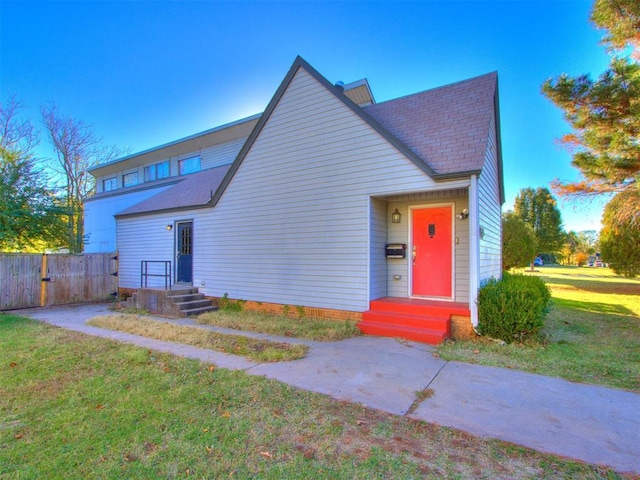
(594, 424)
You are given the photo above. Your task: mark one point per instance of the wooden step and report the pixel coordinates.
(419, 307)
(413, 319)
(424, 335)
(406, 320)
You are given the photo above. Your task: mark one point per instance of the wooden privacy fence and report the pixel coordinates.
(34, 280)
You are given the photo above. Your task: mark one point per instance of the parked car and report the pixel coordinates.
(537, 262)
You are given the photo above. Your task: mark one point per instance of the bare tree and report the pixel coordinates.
(77, 149)
(16, 135)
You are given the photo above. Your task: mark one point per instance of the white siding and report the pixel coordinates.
(378, 240)
(135, 245)
(292, 226)
(489, 209)
(306, 216)
(219, 155)
(99, 223)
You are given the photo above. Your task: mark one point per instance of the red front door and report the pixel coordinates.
(432, 249)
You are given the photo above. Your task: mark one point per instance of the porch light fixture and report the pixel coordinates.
(169, 227)
(395, 216)
(463, 214)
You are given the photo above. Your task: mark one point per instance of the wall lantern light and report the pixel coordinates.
(169, 227)
(463, 214)
(395, 216)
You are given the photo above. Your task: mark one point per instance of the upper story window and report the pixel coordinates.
(156, 171)
(130, 179)
(189, 165)
(109, 184)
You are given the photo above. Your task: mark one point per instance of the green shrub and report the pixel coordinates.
(228, 305)
(513, 308)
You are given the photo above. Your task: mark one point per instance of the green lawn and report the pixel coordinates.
(78, 407)
(591, 335)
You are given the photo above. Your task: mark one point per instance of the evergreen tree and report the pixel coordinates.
(605, 114)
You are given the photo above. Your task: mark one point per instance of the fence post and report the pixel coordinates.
(43, 282)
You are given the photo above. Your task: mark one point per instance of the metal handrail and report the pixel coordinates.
(144, 273)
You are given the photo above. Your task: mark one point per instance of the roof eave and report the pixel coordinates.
(162, 210)
(442, 177)
(173, 143)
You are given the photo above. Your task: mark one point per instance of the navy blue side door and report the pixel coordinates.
(184, 258)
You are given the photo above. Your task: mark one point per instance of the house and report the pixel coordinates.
(388, 213)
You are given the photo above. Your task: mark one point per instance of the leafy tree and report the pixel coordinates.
(29, 214)
(581, 258)
(77, 149)
(587, 241)
(605, 114)
(518, 242)
(29, 217)
(620, 241)
(537, 208)
(579, 245)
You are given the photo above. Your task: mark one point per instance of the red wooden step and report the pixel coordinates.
(414, 321)
(432, 337)
(419, 307)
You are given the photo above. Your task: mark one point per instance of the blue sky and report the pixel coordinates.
(146, 73)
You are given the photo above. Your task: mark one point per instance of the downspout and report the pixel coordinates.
(474, 250)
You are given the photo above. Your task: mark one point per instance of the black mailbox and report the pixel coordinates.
(396, 250)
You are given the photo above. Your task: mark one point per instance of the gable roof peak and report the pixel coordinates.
(448, 126)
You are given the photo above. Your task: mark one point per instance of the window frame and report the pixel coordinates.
(182, 162)
(112, 181)
(151, 172)
(130, 175)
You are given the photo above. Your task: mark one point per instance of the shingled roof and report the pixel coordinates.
(192, 192)
(446, 127)
(444, 131)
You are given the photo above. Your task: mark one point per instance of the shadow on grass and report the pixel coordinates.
(594, 286)
(595, 307)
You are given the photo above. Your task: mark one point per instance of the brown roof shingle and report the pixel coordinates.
(194, 191)
(447, 127)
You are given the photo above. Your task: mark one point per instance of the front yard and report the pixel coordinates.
(75, 406)
(591, 335)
